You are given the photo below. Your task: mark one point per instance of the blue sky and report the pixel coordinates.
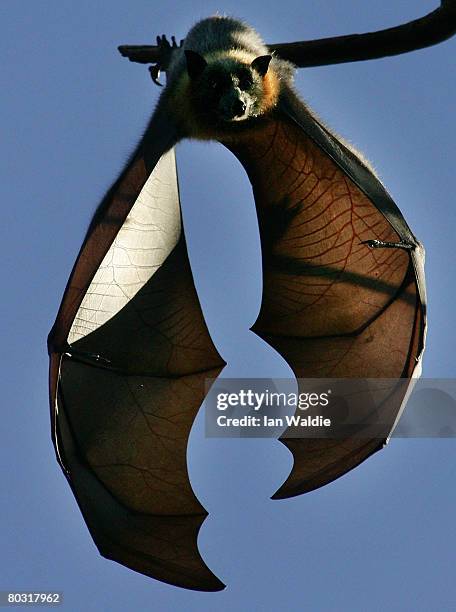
(382, 537)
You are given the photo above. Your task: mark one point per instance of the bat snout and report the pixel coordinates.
(239, 107)
(234, 107)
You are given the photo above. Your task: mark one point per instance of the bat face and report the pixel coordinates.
(230, 93)
(227, 90)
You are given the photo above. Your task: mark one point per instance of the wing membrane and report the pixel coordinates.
(129, 355)
(333, 305)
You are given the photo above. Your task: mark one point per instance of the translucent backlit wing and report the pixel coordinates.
(343, 280)
(130, 352)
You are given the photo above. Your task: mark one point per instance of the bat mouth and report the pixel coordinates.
(236, 119)
(238, 110)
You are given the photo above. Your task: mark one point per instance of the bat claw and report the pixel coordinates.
(163, 43)
(381, 244)
(166, 51)
(86, 357)
(155, 74)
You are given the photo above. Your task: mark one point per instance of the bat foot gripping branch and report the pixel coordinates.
(165, 50)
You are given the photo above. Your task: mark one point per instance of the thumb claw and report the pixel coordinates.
(155, 74)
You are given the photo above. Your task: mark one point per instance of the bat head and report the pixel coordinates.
(226, 90)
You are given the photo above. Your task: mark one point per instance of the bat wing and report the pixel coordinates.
(334, 305)
(129, 353)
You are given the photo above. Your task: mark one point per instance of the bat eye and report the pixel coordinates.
(245, 82)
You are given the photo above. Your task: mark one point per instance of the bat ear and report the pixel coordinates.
(261, 64)
(195, 64)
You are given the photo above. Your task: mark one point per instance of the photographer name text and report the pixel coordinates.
(266, 421)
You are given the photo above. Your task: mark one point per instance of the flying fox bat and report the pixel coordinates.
(343, 297)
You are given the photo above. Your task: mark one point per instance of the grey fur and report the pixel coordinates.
(225, 33)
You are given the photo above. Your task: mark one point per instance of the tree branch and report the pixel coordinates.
(424, 32)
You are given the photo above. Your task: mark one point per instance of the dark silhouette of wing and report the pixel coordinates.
(130, 352)
(343, 281)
